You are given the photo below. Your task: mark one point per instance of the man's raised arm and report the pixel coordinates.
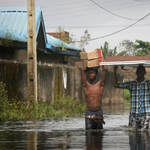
(115, 83)
(104, 75)
(83, 75)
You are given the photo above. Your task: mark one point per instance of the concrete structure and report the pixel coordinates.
(51, 83)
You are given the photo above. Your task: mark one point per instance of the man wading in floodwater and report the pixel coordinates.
(139, 99)
(93, 91)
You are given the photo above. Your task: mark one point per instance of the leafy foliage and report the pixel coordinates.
(72, 39)
(3, 98)
(59, 35)
(16, 109)
(126, 95)
(84, 40)
(127, 48)
(107, 51)
(143, 48)
(7, 41)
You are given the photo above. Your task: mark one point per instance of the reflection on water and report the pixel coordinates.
(139, 140)
(70, 133)
(32, 140)
(94, 140)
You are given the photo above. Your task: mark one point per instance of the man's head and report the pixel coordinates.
(93, 69)
(140, 71)
(92, 72)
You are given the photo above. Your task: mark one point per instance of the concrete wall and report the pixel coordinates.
(112, 95)
(51, 83)
(130, 73)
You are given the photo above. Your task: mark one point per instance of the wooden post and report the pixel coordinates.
(31, 54)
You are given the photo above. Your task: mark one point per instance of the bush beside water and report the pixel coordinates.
(16, 109)
(126, 95)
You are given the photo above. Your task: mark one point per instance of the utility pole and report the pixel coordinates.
(31, 54)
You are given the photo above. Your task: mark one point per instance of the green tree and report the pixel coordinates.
(143, 48)
(122, 53)
(72, 39)
(127, 48)
(58, 35)
(7, 40)
(107, 51)
(84, 40)
(113, 51)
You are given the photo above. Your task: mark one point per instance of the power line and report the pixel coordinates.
(59, 5)
(74, 11)
(79, 15)
(65, 4)
(54, 9)
(112, 12)
(118, 30)
(102, 26)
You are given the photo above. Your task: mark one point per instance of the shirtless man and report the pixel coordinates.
(93, 91)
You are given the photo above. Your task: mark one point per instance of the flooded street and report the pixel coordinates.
(70, 133)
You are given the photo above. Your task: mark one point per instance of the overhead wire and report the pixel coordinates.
(104, 26)
(81, 15)
(81, 6)
(118, 30)
(80, 2)
(66, 3)
(75, 10)
(111, 12)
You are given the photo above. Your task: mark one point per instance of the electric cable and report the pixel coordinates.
(80, 15)
(112, 12)
(118, 30)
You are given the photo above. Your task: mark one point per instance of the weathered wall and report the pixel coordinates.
(51, 84)
(112, 95)
(130, 73)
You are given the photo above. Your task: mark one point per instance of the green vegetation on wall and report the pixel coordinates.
(126, 95)
(16, 109)
(58, 85)
(7, 40)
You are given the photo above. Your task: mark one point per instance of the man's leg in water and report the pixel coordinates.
(143, 124)
(93, 123)
(88, 123)
(139, 123)
(99, 123)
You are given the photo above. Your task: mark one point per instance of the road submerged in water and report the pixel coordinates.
(70, 133)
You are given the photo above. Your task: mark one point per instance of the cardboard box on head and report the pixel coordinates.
(92, 58)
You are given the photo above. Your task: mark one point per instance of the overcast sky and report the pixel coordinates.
(104, 19)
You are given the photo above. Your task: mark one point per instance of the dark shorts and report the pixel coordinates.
(94, 113)
(91, 123)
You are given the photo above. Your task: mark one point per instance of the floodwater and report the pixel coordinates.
(70, 133)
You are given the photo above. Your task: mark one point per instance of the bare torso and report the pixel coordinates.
(94, 95)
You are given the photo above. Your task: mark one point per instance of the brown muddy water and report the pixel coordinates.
(70, 133)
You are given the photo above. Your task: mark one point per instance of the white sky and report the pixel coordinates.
(100, 17)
